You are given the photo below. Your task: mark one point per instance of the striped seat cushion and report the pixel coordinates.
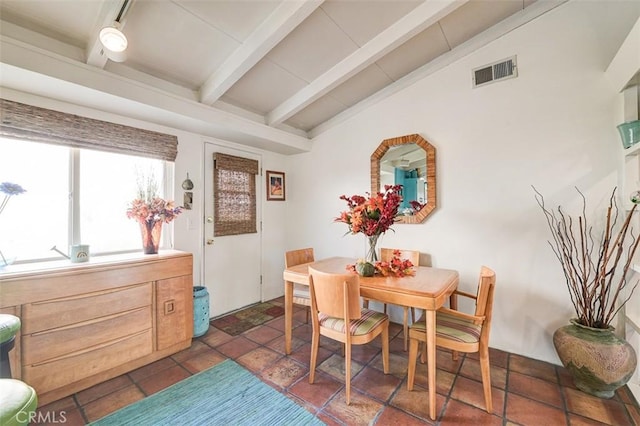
(452, 328)
(367, 322)
(301, 292)
(301, 295)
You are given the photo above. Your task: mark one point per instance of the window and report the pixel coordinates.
(73, 196)
(234, 187)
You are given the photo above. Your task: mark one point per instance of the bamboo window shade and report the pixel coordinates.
(35, 124)
(234, 193)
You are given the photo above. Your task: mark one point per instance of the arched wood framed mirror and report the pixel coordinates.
(411, 162)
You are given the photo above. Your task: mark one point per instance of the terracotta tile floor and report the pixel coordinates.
(525, 391)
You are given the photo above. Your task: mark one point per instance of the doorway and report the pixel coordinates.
(231, 263)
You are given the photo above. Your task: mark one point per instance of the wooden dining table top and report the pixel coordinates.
(426, 289)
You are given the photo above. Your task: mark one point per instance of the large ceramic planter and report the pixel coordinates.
(598, 360)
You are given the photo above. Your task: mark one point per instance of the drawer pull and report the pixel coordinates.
(169, 307)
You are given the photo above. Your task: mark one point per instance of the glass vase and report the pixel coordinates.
(151, 233)
(372, 254)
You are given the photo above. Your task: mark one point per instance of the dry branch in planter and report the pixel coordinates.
(595, 269)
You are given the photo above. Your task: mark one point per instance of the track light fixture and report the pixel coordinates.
(114, 42)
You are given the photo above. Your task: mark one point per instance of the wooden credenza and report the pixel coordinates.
(85, 323)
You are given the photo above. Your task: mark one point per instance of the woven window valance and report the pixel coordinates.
(238, 164)
(37, 124)
(234, 194)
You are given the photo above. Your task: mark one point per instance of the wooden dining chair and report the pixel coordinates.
(386, 254)
(301, 294)
(461, 332)
(336, 314)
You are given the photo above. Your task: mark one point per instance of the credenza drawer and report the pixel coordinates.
(57, 372)
(45, 345)
(65, 311)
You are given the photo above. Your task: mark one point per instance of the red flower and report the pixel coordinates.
(373, 215)
(396, 266)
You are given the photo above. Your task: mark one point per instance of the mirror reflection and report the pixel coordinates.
(409, 161)
(406, 165)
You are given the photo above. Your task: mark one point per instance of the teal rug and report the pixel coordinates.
(225, 394)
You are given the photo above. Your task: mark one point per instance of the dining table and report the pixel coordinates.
(428, 289)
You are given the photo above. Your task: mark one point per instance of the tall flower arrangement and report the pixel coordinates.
(372, 215)
(595, 262)
(151, 211)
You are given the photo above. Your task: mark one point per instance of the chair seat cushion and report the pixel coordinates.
(368, 321)
(452, 328)
(301, 295)
(17, 401)
(301, 291)
(9, 326)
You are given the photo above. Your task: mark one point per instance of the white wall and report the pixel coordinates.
(553, 127)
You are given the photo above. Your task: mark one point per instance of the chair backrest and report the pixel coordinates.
(297, 257)
(386, 254)
(484, 301)
(332, 294)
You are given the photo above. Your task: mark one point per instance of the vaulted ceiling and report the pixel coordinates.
(278, 71)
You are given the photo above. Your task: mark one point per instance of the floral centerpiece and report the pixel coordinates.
(372, 216)
(396, 267)
(151, 212)
(9, 190)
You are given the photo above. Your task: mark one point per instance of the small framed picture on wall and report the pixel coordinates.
(275, 186)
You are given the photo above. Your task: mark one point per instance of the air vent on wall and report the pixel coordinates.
(496, 71)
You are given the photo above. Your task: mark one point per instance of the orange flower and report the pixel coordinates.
(373, 215)
(396, 266)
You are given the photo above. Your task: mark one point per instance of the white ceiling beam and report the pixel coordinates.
(423, 16)
(284, 19)
(108, 14)
(37, 71)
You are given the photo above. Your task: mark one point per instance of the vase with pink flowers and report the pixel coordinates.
(151, 212)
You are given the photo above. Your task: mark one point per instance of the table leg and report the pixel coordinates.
(288, 315)
(431, 360)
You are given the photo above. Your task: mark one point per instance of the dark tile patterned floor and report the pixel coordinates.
(525, 391)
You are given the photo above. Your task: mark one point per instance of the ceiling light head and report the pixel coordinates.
(113, 39)
(401, 164)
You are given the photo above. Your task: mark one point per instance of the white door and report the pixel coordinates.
(232, 264)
